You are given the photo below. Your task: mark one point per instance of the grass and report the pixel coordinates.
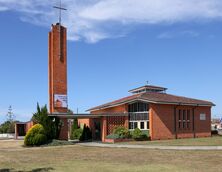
(13, 156)
(207, 141)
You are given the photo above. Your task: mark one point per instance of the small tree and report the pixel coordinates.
(10, 115)
(51, 125)
(7, 127)
(75, 124)
(86, 134)
(76, 132)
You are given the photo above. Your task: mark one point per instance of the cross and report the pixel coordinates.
(60, 8)
(147, 82)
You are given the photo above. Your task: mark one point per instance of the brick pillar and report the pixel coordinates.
(151, 122)
(16, 131)
(126, 124)
(63, 135)
(104, 128)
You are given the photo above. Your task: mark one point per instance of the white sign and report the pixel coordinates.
(60, 101)
(202, 116)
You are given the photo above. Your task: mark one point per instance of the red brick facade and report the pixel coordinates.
(58, 72)
(163, 120)
(57, 65)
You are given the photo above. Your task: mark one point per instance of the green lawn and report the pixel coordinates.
(14, 157)
(207, 141)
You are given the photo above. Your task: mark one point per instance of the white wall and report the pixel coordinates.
(7, 136)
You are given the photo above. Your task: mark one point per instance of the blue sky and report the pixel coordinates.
(111, 49)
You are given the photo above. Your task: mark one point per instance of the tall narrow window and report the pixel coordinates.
(179, 124)
(148, 125)
(184, 119)
(131, 125)
(135, 125)
(141, 125)
(188, 119)
(184, 116)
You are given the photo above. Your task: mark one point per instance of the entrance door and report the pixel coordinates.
(21, 129)
(97, 130)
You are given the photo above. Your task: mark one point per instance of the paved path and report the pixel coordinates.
(97, 144)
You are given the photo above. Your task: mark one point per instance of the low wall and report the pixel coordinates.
(7, 136)
(117, 140)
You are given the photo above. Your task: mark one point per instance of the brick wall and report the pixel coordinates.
(162, 122)
(109, 123)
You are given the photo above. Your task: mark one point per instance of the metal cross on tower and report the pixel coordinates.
(60, 8)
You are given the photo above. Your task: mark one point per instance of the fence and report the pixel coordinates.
(7, 136)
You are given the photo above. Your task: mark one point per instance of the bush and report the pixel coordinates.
(113, 136)
(35, 136)
(7, 127)
(137, 134)
(86, 134)
(51, 125)
(214, 132)
(75, 124)
(122, 132)
(76, 133)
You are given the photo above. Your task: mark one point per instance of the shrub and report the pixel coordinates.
(86, 134)
(137, 134)
(214, 132)
(76, 133)
(35, 136)
(7, 127)
(51, 125)
(113, 136)
(122, 132)
(75, 124)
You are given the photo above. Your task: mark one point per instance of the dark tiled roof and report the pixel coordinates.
(157, 98)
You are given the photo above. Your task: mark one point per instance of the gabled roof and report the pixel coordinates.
(156, 98)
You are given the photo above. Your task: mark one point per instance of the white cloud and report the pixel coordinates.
(94, 20)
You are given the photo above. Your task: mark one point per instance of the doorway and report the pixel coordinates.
(97, 130)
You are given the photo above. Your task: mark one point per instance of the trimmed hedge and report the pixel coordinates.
(35, 136)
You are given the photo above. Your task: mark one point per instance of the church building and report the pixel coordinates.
(151, 109)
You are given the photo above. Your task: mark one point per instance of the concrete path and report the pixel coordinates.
(99, 144)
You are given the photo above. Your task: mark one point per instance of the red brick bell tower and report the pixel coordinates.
(58, 75)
